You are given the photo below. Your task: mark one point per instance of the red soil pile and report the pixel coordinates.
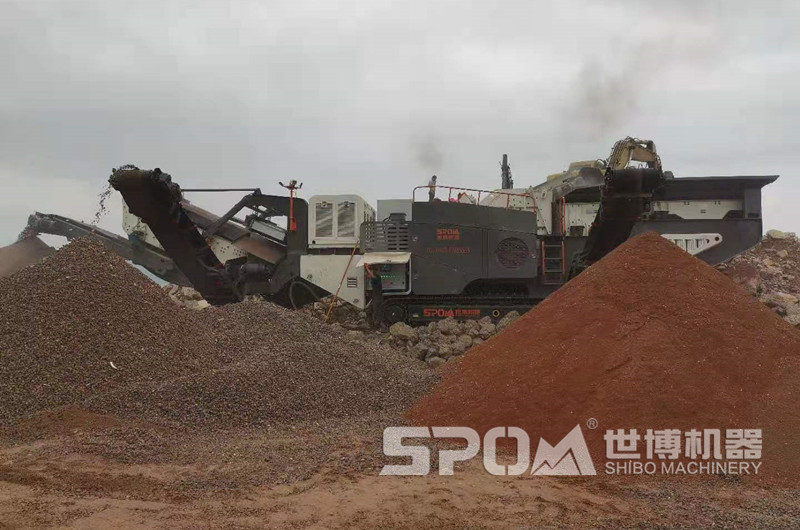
(649, 337)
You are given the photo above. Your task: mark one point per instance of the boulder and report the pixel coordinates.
(435, 362)
(777, 234)
(448, 326)
(788, 299)
(415, 352)
(445, 351)
(190, 294)
(792, 309)
(465, 341)
(457, 349)
(507, 319)
(783, 253)
(402, 331)
(487, 330)
(197, 305)
(436, 336)
(778, 300)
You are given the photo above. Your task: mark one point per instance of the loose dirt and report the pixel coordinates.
(649, 337)
(252, 416)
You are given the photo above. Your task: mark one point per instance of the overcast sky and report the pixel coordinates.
(374, 96)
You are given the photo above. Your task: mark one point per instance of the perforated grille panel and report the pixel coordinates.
(512, 253)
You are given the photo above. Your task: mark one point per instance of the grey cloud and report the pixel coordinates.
(374, 96)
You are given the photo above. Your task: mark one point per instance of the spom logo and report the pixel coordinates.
(569, 457)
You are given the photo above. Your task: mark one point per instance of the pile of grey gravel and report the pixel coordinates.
(85, 328)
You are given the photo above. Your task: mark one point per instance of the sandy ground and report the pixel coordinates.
(43, 484)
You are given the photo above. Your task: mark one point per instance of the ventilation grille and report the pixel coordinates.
(346, 219)
(385, 236)
(324, 216)
(512, 253)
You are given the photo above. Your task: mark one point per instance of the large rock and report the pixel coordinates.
(487, 330)
(197, 305)
(402, 331)
(435, 362)
(436, 336)
(445, 351)
(465, 341)
(190, 294)
(793, 319)
(792, 309)
(448, 326)
(777, 234)
(507, 319)
(424, 347)
(471, 326)
(416, 352)
(779, 300)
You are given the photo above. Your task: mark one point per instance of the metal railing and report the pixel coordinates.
(460, 192)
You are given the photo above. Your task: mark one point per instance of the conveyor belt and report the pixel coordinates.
(624, 197)
(151, 195)
(151, 258)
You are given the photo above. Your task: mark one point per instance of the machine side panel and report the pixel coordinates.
(328, 271)
(455, 244)
(445, 257)
(738, 235)
(472, 215)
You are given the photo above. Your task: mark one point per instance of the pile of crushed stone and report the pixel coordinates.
(85, 329)
(771, 272)
(647, 338)
(84, 322)
(284, 368)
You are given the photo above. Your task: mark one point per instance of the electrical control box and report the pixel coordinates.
(394, 277)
